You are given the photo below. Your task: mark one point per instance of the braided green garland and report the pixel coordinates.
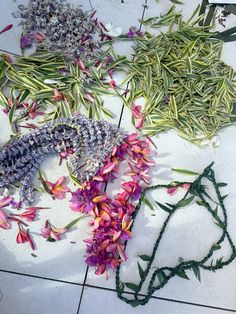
(164, 274)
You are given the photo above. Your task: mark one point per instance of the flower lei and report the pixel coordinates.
(112, 218)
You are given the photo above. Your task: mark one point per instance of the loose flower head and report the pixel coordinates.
(24, 236)
(52, 233)
(25, 41)
(57, 95)
(58, 189)
(137, 115)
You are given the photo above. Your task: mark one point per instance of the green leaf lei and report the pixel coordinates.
(164, 274)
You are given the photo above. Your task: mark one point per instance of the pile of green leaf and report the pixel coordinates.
(185, 84)
(36, 77)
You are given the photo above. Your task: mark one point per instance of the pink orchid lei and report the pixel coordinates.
(112, 218)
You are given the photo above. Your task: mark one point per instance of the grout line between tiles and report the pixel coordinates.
(82, 292)
(167, 299)
(40, 277)
(12, 53)
(110, 290)
(90, 2)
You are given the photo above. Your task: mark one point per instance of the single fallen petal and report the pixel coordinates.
(108, 168)
(172, 190)
(100, 198)
(5, 201)
(3, 220)
(7, 28)
(22, 236)
(121, 252)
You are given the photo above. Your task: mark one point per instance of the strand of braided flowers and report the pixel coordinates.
(112, 218)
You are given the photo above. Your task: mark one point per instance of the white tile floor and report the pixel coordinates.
(57, 280)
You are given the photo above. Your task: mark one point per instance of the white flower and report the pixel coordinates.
(214, 142)
(112, 31)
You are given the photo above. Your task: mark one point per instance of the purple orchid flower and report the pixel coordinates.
(133, 31)
(25, 41)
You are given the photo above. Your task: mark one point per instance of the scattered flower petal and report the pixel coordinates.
(3, 220)
(7, 28)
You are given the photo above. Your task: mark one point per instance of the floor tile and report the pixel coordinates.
(9, 40)
(104, 302)
(120, 14)
(20, 294)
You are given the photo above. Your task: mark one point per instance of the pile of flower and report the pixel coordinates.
(112, 218)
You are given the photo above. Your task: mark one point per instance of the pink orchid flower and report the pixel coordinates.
(100, 198)
(63, 154)
(52, 233)
(133, 189)
(100, 269)
(136, 174)
(121, 251)
(32, 110)
(81, 66)
(5, 201)
(3, 220)
(111, 219)
(111, 83)
(173, 189)
(24, 236)
(109, 167)
(82, 200)
(57, 95)
(58, 189)
(132, 139)
(39, 37)
(124, 233)
(30, 213)
(117, 248)
(25, 41)
(137, 115)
